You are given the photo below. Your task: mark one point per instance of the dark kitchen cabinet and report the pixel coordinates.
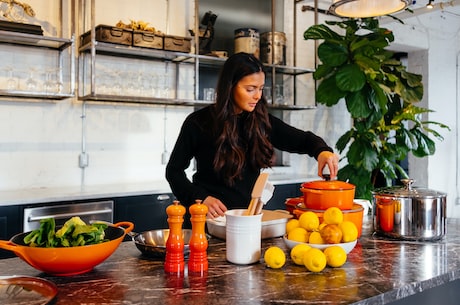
(147, 212)
(10, 225)
(281, 193)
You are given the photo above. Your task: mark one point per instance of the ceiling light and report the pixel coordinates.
(367, 8)
(430, 4)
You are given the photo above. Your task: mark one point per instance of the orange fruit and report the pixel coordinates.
(331, 234)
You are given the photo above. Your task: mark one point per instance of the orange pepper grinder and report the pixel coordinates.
(198, 259)
(174, 261)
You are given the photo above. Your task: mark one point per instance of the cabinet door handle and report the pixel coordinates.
(67, 215)
(163, 197)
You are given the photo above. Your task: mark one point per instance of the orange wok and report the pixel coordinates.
(65, 261)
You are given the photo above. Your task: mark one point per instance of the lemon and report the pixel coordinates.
(292, 224)
(298, 234)
(309, 221)
(314, 260)
(315, 238)
(333, 216)
(349, 231)
(297, 253)
(335, 256)
(274, 257)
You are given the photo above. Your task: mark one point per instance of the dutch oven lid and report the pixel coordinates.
(328, 185)
(407, 191)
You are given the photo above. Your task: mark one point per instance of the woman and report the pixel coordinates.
(233, 139)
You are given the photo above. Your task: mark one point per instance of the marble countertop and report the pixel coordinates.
(378, 271)
(57, 194)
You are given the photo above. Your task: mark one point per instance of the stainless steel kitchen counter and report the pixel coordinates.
(378, 271)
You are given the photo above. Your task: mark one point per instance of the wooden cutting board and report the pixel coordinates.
(269, 215)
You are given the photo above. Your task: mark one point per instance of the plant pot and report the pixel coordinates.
(320, 195)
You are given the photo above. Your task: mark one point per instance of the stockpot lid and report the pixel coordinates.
(408, 191)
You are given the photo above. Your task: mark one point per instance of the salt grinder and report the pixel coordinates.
(174, 261)
(198, 259)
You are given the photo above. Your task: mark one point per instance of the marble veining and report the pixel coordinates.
(378, 271)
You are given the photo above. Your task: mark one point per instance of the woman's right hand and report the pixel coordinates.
(215, 207)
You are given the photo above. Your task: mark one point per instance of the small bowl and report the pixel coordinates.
(346, 246)
(153, 243)
(66, 261)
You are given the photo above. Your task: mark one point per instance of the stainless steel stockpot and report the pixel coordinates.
(409, 213)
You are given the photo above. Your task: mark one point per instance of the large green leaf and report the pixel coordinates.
(350, 78)
(332, 54)
(322, 71)
(405, 138)
(357, 104)
(367, 63)
(321, 31)
(342, 142)
(413, 80)
(328, 93)
(379, 98)
(425, 147)
(362, 154)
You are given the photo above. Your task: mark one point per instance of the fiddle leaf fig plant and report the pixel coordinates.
(381, 98)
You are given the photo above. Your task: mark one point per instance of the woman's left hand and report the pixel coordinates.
(331, 160)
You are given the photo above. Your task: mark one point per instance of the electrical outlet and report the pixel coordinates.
(83, 160)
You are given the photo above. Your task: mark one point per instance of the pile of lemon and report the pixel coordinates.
(308, 230)
(333, 229)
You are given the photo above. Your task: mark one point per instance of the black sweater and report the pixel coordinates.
(195, 141)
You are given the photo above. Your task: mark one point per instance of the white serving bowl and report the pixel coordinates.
(346, 246)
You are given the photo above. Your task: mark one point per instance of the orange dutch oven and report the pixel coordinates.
(321, 195)
(69, 260)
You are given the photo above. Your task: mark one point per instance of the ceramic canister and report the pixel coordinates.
(273, 48)
(247, 40)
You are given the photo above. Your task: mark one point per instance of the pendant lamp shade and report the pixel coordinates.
(366, 8)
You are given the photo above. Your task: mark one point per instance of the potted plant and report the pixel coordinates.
(381, 97)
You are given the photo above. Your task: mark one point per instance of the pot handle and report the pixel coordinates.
(126, 225)
(8, 245)
(318, 192)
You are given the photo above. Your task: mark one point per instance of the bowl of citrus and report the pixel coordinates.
(345, 246)
(333, 231)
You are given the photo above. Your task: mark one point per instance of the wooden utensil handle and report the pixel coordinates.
(252, 206)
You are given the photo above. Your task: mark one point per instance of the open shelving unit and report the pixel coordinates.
(90, 51)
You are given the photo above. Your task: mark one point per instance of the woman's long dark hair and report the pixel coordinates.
(248, 145)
